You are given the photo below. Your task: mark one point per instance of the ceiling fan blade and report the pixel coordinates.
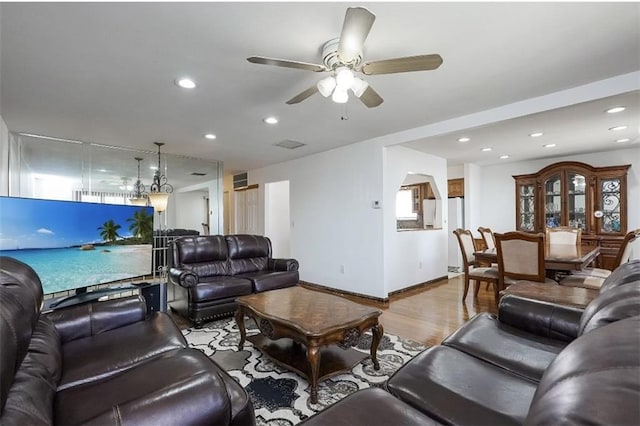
(370, 98)
(406, 64)
(286, 63)
(356, 27)
(303, 95)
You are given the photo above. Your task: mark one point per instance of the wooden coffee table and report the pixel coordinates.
(309, 332)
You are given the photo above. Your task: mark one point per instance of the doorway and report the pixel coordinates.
(277, 218)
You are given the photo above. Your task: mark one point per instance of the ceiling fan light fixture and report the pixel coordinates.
(340, 95)
(344, 77)
(326, 86)
(359, 86)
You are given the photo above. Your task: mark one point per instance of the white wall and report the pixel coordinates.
(335, 233)
(191, 212)
(455, 172)
(497, 209)
(278, 218)
(473, 197)
(4, 158)
(411, 257)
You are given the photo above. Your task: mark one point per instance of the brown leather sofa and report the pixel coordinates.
(210, 272)
(534, 364)
(103, 363)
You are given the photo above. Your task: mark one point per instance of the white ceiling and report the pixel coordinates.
(104, 72)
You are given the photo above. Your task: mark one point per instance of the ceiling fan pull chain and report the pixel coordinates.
(345, 115)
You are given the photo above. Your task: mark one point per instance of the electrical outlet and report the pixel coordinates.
(342, 269)
(420, 265)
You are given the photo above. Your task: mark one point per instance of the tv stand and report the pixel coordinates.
(83, 297)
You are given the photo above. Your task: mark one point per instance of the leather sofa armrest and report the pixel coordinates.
(283, 265)
(183, 277)
(90, 319)
(541, 318)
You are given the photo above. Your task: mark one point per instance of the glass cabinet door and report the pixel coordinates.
(610, 197)
(526, 207)
(553, 202)
(576, 201)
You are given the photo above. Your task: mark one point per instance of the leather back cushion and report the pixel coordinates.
(204, 255)
(618, 303)
(20, 301)
(623, 274)
(248, 253)
(595, 380)
(30, 400)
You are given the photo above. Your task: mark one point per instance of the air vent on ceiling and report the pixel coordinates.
(240, 180)
(198, 174)
(289, 144)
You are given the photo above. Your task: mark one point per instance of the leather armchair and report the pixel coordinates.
(104, 363)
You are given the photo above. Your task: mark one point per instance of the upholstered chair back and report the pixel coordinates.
(487, 236)
(628, 244)
(564, 235)
(521, 256)
(467, 246)
(204, 255)
(248, 253)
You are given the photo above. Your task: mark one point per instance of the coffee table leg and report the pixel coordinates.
(313, 356)
(377, 332)
(240, 322)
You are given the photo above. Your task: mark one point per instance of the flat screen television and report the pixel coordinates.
(73, 245)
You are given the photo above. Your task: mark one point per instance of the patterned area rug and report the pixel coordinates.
(281, 397)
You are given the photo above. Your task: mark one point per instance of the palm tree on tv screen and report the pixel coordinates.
(141, 225)
(109, 231)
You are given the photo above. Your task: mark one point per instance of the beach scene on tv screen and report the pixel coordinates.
(74, 244)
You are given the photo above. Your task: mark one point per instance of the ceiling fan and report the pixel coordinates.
(343, 56)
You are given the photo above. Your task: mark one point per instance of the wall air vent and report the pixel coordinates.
(240, 180)
(198, 174)
(289, 144)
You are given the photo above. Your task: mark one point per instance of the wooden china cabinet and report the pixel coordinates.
(578, 195)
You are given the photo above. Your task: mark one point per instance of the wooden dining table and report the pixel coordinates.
(557, 257)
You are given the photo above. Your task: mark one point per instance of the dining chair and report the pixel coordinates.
(487, 237)
(471, 271)
(564, 235)
(594, 277)
(520, 258)
(205, 228)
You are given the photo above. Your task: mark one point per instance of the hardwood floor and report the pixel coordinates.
(429, 314)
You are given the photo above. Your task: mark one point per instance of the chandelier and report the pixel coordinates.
(138, 197)
(160, 189)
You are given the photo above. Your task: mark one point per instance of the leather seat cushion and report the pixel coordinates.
(456, 388)
(271, 280)
(184, 387)
(102, 355)
(515, 350)
(213, 288)
(371, 406)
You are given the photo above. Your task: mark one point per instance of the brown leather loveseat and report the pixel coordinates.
(209, 272)
(535, 364)
(103, 363)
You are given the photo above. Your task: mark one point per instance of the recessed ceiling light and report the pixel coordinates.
(487, 149)
(102, 170)
(549, 145)
(186, 83)
(210, 136)
(617, 128)
(623, 140)
(504, 157)
(271, 120)
(153, 167)
(465, 139)
(536, 134)
(615, 109)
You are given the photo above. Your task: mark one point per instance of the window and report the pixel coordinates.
(405, 205)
